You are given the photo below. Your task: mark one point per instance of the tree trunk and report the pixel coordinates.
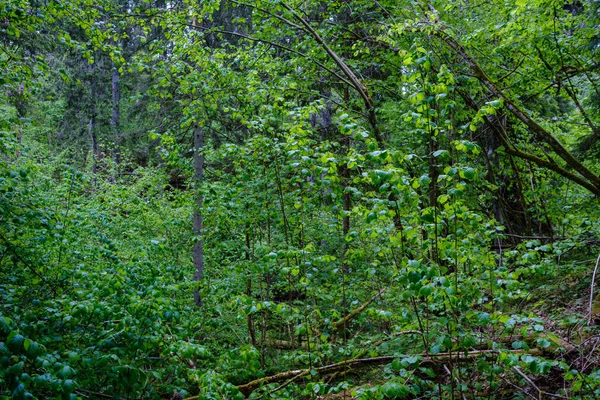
(95, 149)
(198, 177)
(116, 114)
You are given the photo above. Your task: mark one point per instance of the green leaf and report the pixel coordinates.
(468, 173)
(15, 342)
(4, 326)
(543, 343)
(395, 390)
(424, 180)
(518, 344)
(33, 349)
(425, 291)
(65, 372)
(372, 216)
(68, 386)
(412, 360)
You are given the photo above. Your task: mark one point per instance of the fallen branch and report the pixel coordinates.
(556, 342)
(534, 237)
(284, 344)
(286, 383)
(385, 339)
(84, 393)
(369, 346)
(338, 325)
(541, 393)
(249, 387)
(559, 342)
(528, 380)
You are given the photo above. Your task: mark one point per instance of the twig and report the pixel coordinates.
(276, 45)
(267, 12)
(541, 393)
(98, 394)
(453, 378)
(532, 237)
(289, 381)
(519, 387)
(529, 381)
(592, 290)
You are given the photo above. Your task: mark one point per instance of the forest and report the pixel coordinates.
(299, 199)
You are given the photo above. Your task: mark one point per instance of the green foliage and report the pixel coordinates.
(414, 222)
(28, 368)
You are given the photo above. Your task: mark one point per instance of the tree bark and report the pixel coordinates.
(94, 147)
(116, 114)
(198, 252)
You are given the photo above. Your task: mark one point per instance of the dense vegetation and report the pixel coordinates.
(299, 199)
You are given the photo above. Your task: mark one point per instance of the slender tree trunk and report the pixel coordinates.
(198, 252)
(94, 147)
(250, 318)
(345, 178)
(19, 140)
(116, 115)
(21, 111)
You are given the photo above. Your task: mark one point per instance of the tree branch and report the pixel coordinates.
(276, 45)
(543, 134)
(340, 324)
(511, 149)
(356, 84)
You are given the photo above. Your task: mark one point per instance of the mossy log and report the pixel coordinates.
(249, 387)
(285, 344)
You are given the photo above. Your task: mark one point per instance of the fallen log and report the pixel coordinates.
(284, 344)
(249, 387)
(556, 342)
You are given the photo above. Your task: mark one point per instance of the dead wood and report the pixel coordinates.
(338, 325)
(249, 387)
